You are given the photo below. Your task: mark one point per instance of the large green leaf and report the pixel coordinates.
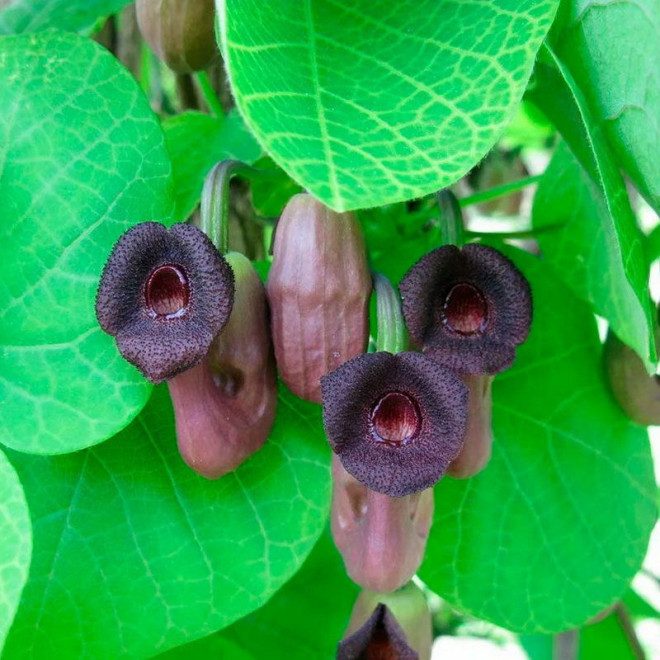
(73, 15)
(588, 242)
(82, 159)
(612, 50)
(556, 526)
(305, 619)
(196, 142)
(608, 239)
(16, 544)
(370, 102)
(135, 553)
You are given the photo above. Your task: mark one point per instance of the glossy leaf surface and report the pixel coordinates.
(16, 545)
(82, 159)
(555, 527)
(367, 103)
(135, 553)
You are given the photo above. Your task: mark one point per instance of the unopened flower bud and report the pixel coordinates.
(225, 406)
(180, 32)
(637, 393)
(478, 440)
(318, 288)
(382, 539)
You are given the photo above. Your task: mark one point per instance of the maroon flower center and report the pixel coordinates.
(380, 646)
(395, 419)
(167, 292)
(465, 310)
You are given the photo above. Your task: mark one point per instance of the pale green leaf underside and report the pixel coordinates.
(553, 530)
(613, 48)
(615, 259)
(196, 142)
(135, 553)
(82, 159)
(367, 103)
(73, 15)
(587, 250)
(16, 544)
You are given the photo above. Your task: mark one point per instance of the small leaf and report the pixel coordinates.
(612, 50)
(586, 241)
(368, 103)
(196, 142)
(556, 526)
(82, 159)
(72, 15)
(135, 553)
(305, 619)
(16, 545)
(613, 243)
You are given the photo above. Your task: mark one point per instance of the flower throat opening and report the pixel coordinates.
(167, 292)
(465, 310)
(395, 419)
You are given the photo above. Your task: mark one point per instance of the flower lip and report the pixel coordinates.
(167, 292)
(380, 636)
(164, 295)
(394, 421)
(468, 308)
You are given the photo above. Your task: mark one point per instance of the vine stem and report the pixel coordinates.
(523, 233)
(209, 94)
(499, 191)
(451, 218)
(392, 336)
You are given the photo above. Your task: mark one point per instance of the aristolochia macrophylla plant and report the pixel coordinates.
(164, 295)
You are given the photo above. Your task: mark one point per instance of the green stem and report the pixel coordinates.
(145, 70)
(214, 211)
(392, 336)
(451, 218)
(209, 94)
(499, 191)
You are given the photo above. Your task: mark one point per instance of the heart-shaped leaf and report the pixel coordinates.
(16, 545)
(82, 159)
(556, 526)
(135, 553)
(367, 103)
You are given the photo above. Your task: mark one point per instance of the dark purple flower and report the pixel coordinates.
(164, 295)
(468, 308)
(380, 637)
(395, 421)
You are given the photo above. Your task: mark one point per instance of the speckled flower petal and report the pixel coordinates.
(164, 294)
(395, 421)
(469, 308)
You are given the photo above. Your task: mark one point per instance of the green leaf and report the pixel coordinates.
(608, 239)
(368, 103)
(638, 607)
(196, 142)
(135, 553)
(556, 526)
(270, 194)
(612, 50)
(589, 242)
(608, 638)
(72, 15)
(305, 619)
(16, 545)
(82, 159)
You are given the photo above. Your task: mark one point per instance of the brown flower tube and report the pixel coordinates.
(636, 392)
(478, 439)
(225, 406)
(382, 539)
(318, 288)
(396, 625)
(180, 32)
